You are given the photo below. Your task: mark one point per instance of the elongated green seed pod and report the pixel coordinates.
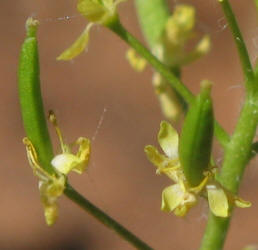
(153, 16)
(196, 137)
(30, 97)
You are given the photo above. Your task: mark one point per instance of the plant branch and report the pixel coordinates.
(241, 47)
(240, 147)
(256, 4)
(186, 94)
(86, 205)
(236, 158)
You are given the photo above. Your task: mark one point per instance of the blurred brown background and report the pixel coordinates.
(120, 180)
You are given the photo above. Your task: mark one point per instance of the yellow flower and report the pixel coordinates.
(180, 197)
(178, 31)
(177, 197)
(97, 12)
(51, 186)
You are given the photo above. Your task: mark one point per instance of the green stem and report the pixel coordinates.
(36, 128)
(236, 157)
(240, 147)
(153, 16)
(256, 4)
(186, 94)
(104, 218)
(240, 44)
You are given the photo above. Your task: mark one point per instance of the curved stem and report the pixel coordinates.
(236, 157)
(86, 205)
(241, 47)
(186, 94)
(240, 147)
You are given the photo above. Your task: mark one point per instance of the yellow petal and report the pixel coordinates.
(180, 25)
(138, 63)
(51, 214)
(168, 139)
(78, 46)
(202, 48)
(64, 163)
(218, 201)
(157, 159)
(172, 196)
(93, 10)
(242, 203)
(83, 154)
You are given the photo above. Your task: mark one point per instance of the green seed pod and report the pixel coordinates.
(30, 97)
(196, 137)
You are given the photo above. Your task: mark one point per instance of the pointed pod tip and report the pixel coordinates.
(31, 27)
(206, 85)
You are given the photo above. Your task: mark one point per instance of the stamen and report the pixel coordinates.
(53, 120)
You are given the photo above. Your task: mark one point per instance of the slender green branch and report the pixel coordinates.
(240, 43)
(240, 147)
(256, 4)
(104, 218)
(236, 157)
(36, 128)
(117, 28)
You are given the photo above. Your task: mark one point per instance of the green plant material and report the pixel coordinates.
(167, 35)
(100, 12)
(30, 97)
(51, 186)
(78, 46)
(176, 198)
(181, 196)
(175, 83)
(39, 148)
(196, 137)
(106, 220)
(153, 16)
(240, 44)
(239, 149)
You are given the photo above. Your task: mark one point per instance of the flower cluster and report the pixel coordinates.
(180, 197)
(51, 186)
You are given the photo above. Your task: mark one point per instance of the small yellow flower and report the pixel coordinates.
(97, 12)
(51, 186)
(180, 197)
(177, 197)
(67, 161)
(178, 31)
(137, 62)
